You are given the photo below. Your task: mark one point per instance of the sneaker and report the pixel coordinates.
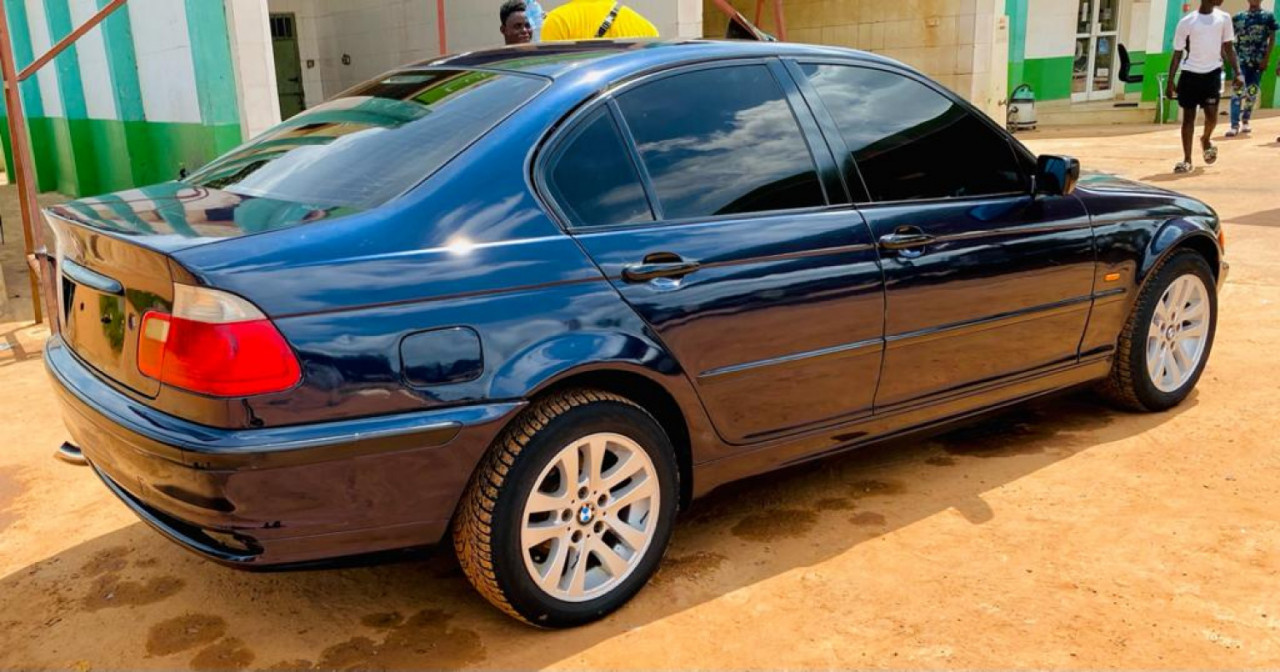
(1233, 132)
(1245, 129)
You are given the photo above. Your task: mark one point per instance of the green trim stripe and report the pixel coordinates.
(70, 86)
(1049, 77)
(1171, 19)
(20, 34)
(1135, 57)
(117, 35)
(1017, 11)
(211, 54)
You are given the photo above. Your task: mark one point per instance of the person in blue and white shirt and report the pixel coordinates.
(1255, 38)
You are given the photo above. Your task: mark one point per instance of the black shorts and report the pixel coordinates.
(1199, 90)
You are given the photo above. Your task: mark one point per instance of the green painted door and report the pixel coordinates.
(284, 42)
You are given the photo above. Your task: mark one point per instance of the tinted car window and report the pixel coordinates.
(374, 142)
(721, 141)
(911, 142)
(593, 178)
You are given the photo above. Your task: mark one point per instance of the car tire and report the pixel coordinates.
(1175, 317)
(554, 555)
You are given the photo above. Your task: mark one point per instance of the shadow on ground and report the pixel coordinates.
(1260, 218)
(1172, 176)
(150, 601)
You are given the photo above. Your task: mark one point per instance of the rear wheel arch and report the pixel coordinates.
(649, 395)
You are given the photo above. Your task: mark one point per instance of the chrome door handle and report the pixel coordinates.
(659, 265)
(905, 239)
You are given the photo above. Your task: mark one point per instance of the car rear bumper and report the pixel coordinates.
(277, 496)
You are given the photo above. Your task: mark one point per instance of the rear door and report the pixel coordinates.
(713, 223)
(984, 280)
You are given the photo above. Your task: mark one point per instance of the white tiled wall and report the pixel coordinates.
(166, 71)
(963, 44)
(1051, 28)
(254, 65)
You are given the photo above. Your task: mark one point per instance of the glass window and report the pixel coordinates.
(373, 143)
(594, 179)
(909, 141)
(721, 141)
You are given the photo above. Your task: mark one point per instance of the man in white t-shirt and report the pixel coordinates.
(1203, 39)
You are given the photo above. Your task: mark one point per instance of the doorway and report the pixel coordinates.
(1093, 73)
(284, 44)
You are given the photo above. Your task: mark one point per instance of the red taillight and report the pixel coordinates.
(216, 344)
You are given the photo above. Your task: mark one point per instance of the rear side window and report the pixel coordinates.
(909, 141)
(593, 178)
(721, 141)
(373, 143)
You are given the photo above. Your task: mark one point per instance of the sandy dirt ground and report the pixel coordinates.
(1062, 535)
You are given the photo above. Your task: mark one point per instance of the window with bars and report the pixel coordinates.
(282, 27)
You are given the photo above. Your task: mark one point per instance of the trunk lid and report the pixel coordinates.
(113, 261)
(104, 285)
(174, 216)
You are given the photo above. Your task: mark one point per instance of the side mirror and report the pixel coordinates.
(1057, 175)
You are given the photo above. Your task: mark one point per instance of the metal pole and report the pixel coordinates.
(22, 172)
(442, 31)
(780, 19)
(43, 293)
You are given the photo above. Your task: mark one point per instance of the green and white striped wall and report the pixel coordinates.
(148, 92)
(1042, 39)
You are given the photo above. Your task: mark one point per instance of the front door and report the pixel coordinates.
(284, 44)
(771, 301)
(983, 280)
(1093, 72)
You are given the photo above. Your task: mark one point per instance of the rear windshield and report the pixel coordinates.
(373, 143)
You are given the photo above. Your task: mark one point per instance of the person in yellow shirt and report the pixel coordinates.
(595, 19)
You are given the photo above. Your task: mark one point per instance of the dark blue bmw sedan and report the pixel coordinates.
(537, 299)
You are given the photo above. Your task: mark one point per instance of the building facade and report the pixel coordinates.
(155, 89)
(963, 44)
(1067, 51)
(1070, 50)
(167, 85)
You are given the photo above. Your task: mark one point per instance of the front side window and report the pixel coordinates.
(721, 141)
(373, 143)
(911, 142)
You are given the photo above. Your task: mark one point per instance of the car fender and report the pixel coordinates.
(1176, 233)
(595, 354)
(546, 362)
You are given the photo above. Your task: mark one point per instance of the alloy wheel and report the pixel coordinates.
(590, 517)
(1178, 333)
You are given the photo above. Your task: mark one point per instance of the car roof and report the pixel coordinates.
(558, 59)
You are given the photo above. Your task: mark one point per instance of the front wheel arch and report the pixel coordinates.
(1128, 385)
(1173, 236)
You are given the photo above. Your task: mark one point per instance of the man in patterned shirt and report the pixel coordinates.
(1255, 37)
